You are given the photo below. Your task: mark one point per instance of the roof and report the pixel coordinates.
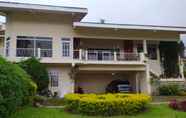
(78, 12)
(128, 26)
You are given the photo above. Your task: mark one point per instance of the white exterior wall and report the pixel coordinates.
(44, 25)
(65, 83)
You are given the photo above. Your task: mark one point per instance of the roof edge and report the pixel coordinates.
(129, 26)
(19, 5)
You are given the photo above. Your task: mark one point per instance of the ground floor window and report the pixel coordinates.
(7, 47)
(54, 78)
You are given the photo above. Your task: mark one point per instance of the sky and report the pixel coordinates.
(151, 12)
(144, 12)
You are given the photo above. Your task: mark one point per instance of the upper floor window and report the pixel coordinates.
(29, 46)
(152, 51)
(66, 47)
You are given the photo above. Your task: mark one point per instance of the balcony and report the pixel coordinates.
(80, 56)
(94, 55)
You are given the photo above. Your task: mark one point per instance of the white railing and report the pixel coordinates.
(45, 52)
(128, 56)
(100, 55)
(91, 55)
(31, 52)
(96, 55)
(25, 52)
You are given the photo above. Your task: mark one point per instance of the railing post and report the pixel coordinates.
(39, 52)
(115, 56)
(145, 46)
(142, 56)
(80, 54)
(181, 66)
(86, 55)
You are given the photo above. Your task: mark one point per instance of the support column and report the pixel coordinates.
(145, 46)
(86, 55)
(137, 83)
(148, 85)
(115, 56)
(80, 54)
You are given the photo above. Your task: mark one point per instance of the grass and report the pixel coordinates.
(155, 111)
(167, 98)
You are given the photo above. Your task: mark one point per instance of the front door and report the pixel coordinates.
(128, 46)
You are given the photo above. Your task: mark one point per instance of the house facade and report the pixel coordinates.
(86, 55)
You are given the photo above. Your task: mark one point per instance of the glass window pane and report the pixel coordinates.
(43, 44)
(45, 48)
(28, 46)
(54, 78)
(152, 51)
(66, 47)
(25, 48)
(25, 43)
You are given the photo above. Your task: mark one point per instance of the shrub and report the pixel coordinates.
(16, 87)
(169, 89)
(106, 105)
(173, 104)
(182, 93)
(37, 71)
(178, 105)
(182, 106)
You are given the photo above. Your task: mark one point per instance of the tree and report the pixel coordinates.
(169, 52)
(37, 71)
(16, 88)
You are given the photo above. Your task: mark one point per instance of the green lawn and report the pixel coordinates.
(156, 111)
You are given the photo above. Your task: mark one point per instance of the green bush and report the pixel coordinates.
(16, 87)
(37, 71)
(106, 105)
(169, 89)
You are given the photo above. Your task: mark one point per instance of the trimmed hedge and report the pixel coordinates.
(169, 89)
(16, 88)
(107, 104)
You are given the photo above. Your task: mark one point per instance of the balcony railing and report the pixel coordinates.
(84, 55)
(95, 55)
(31, 52)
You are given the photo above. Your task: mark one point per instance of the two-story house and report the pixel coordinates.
(87, 55)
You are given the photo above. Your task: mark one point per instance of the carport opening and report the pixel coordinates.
(118, 86)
